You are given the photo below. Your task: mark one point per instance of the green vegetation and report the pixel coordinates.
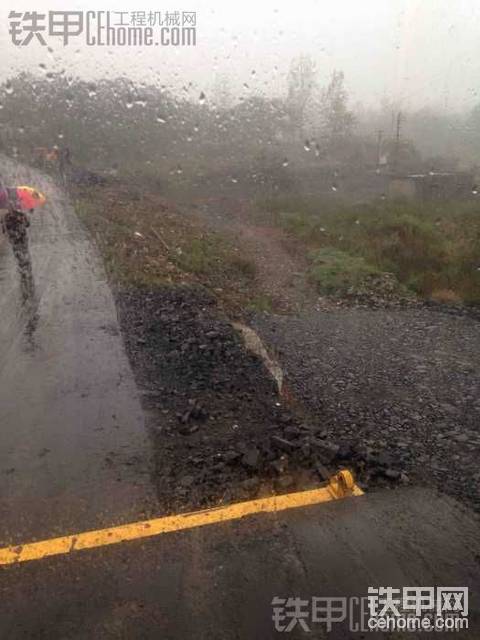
(262, 303)
(335, 271)
(431, 248)
(209, 254)
(143, 242)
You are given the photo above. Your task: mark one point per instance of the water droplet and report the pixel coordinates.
(179, 170)
(161, 120)
(234, 180)
(285, 163)
(129, 105)
(9, 88)
(357, 221)
(306, 145)
(201, 98)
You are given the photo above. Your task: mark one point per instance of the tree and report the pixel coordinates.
(301, 83)
(336, 119)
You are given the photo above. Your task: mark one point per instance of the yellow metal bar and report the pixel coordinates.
(340, 486)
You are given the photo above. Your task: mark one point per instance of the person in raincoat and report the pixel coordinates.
(15, 224)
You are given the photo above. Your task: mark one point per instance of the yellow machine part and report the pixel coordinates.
(341, 485)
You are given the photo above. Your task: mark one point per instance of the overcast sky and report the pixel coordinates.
(422, 52)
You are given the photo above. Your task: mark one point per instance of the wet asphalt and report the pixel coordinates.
(75, 451)
(75, 455)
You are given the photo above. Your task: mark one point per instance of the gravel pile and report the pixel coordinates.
(218, 428)
(404, 384)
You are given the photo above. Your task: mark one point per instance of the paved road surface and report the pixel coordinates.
(70, 419)
(70, 423)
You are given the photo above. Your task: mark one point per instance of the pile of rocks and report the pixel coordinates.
(219, 429)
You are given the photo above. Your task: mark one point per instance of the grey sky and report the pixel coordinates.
(422, 52)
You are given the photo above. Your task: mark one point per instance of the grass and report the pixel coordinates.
(144, 241)
(431, 248)
(335, 271)
(261, 303)
(209, 254)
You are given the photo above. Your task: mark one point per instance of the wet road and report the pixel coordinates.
(71, 427)
(218, 582)
(74, 449)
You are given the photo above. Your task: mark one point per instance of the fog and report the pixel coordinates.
(413, 52)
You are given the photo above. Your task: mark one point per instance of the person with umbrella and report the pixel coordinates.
(14, 225)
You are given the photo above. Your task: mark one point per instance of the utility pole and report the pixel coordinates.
(397, 140)
(379, 146)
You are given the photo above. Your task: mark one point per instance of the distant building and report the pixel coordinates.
(452, 185)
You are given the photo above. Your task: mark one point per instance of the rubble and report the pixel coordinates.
(217, 423)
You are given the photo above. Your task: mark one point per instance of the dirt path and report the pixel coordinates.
(280, 264)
